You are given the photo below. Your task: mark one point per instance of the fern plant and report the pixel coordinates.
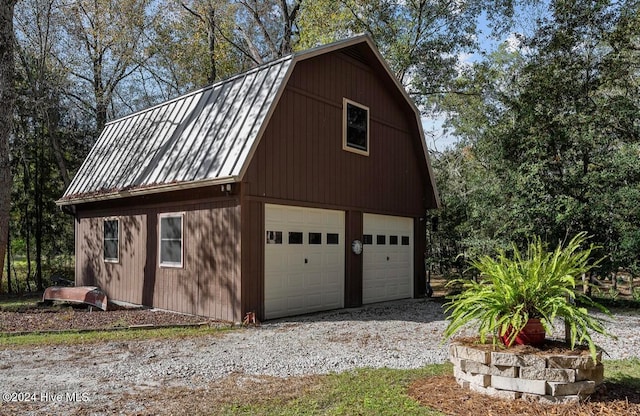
(537, 284)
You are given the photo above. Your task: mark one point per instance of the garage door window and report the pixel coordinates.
(333, 238)
(393, 240)
(171, 253)
(405, 240)
(367, 239)
(381, 240)
(355, 127)
(274, 237)
(315, 238)
(295, 238)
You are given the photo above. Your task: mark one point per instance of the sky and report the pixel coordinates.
(524, 23)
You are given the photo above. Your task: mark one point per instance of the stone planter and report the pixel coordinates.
(543, 376)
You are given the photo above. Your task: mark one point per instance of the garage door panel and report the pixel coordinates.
(315, 268)
(388, 260)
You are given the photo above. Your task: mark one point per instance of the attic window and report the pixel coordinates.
(355, 121)
(171, 247)
(111, 240)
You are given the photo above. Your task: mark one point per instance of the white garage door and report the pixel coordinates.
(387, 258)
(304, 260)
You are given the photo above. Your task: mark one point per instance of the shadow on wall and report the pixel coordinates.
(209, 283)
(215, 261)
(94, 270)
(211, 257)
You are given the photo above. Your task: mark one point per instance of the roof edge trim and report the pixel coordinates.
(148, 190)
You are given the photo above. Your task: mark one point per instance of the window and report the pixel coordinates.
(381, 239)
(355, 120)
(171, 240)
(333, 238)
(393, 240)
(111, 240)
(367, 239)
(405, 240)
(315, 238)
(295, 237)
(274, 237)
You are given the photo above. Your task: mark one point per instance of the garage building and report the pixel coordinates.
(298, 186)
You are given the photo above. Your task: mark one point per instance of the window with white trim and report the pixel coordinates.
(111, 240)
(171, 238)
(355, 125)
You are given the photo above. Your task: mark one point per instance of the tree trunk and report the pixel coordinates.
(211, 23)
(7, 97)
(288, 21)
(26, 217)
(8, 261)
(39, 202)
(62, 164)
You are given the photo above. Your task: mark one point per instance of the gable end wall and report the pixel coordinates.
(300, 156)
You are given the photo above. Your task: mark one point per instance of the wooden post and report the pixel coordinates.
(567, 327)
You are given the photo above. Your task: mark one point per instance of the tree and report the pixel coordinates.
(194, 46)
(105, 43)
(577, 123)
(558, 129)
(7, 98)
(268, 28)
(47, 140)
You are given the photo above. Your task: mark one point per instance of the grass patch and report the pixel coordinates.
(87, 337)
(625, 372)
(19, 303)
(359, 392)
(368, 392)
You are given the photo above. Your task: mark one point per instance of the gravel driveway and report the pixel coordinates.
(401, 334)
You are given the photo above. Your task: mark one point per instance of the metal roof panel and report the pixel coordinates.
(196, 137)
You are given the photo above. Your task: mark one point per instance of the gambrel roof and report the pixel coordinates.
(203, 138)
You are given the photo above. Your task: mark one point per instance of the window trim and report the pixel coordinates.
(345, 146)
(116, 259)
(166, 264)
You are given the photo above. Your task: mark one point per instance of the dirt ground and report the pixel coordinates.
(444, 394)
(81, 318)
(441, 393)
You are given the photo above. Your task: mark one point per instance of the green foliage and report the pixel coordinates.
(550, 135)
(537, 284)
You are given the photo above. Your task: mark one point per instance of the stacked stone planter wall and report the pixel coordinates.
(542, 377)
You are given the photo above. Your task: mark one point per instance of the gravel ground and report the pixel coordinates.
(402, 334)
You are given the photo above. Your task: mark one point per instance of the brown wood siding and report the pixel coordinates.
(300, 156)
(208, 284)
(353, 262)
(253, 258)
(121, 280)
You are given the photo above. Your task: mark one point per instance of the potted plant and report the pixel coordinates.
(539, 286)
